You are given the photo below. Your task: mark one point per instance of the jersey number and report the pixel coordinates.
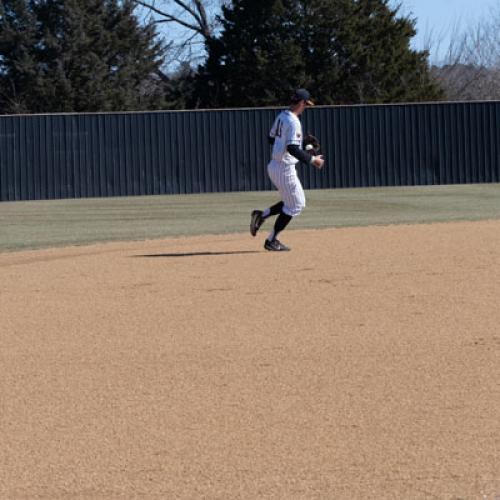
(278, 128)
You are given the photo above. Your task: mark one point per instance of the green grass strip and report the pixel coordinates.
(39, 224)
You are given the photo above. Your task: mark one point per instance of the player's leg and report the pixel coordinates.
(294, 202)
(273, 210)
(258, 217)
(272, 242)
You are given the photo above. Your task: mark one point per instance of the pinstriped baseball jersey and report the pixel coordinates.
(286, 130)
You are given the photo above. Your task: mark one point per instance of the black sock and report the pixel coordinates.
(281, 222)
(275, 209)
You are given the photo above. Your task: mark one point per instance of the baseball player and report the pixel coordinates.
(287, 140)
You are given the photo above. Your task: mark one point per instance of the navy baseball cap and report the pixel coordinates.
(302, 95)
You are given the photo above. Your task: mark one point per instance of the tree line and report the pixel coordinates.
(114, 55)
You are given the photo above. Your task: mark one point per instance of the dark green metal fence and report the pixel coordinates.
(122, 154)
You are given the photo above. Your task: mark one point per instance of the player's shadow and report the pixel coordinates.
(195, 254)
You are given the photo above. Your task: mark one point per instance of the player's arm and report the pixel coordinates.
(294, 142)
(299, 153)
(275, 130)
(303, 156)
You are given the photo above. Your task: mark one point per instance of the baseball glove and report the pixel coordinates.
(311, 144)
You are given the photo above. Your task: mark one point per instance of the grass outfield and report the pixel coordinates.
(39, 224)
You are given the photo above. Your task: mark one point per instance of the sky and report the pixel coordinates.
(436, 19)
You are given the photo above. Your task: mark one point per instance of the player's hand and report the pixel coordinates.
(318, 161)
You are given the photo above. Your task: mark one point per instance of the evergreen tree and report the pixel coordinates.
(344, 51)
(180, 88)
(256, 60)
(18, 67)
(84, 55)
(364, 48)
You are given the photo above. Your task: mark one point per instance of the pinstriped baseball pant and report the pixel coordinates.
(284, 177)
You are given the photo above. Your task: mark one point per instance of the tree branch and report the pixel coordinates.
(198, 13)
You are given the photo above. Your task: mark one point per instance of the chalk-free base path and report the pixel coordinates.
(363, 364)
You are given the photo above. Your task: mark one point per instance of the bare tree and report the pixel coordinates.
(470, 68)
(193, 22)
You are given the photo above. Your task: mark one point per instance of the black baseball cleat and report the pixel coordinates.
(256, 221)
(275, 246)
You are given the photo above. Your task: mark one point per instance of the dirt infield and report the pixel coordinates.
(363, 364)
